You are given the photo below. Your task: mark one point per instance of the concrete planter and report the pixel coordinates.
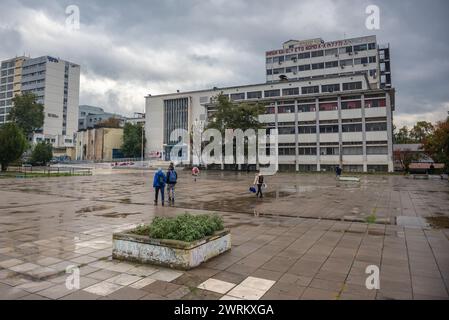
(170, 253)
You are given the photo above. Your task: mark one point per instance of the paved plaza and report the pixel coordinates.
(310, 237)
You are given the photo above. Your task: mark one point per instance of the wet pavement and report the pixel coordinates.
(308, 238)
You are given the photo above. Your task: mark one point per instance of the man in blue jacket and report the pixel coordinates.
(159, 185)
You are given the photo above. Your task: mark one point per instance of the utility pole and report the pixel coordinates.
(143, 125)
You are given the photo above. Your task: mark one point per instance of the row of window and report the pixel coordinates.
(321, 53)
(332, 151)
(352, 127)
(7, 72)
(322, 65)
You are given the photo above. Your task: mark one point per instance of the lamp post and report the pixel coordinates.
(143, 125)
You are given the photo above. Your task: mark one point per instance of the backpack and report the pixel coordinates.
(160, 179)
(172, 177)
(260, 180)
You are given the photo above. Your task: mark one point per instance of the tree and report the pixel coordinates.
(420, 131)
(402, 136)
(42, 153)
(132, 140)
(12, 144)
(405, 157)
(436, 145)
(229, 115)
(27, 113)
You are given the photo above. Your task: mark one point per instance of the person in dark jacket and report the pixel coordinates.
(258, 180)
(159, 185)
(337, 171)
(172, 178)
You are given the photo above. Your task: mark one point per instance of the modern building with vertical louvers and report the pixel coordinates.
(325, 115)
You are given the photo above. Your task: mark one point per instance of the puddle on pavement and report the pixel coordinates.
(441, 222)
(117, 215)
(412, 222)
(92, 209)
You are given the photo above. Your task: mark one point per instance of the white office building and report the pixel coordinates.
(55, 82)
(323, 119)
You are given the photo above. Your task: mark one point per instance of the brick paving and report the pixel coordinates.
(306, 239)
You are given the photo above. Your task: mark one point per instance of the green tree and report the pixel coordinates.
(229, 115)
(436, 145)
(42, 153)
(401, 136)
(420, 131)
(12, 144)
(132, 140)
(27, 113)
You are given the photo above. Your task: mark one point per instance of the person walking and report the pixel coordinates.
(159, 185)
(337, 171)
(172, 178)
(258, 180)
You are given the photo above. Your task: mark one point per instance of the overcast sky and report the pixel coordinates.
(128, 49)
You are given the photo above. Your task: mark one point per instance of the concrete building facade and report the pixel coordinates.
(350, 125)
(99, 144)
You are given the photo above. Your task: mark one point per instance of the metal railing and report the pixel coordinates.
(49, 171)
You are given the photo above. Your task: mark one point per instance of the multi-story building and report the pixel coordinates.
(89, 116)
(314, 58)
(10, 84)
(322, 120)
(55, 82)
(99, 144)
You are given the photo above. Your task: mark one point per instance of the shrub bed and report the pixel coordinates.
(185, 227)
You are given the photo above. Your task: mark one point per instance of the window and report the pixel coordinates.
(329, 151)
(304, 67)
(353, 127)
(376, 126)
(345, 49)
(371, 46)
(329, 129)
(304, 55)
(330, 87)
(270, 110)
(375, 103)
(254, 95)
(237, 96)
(350, 105)
(278, 71)
(307, 151)
(318, 66)
(331, 64)
(290, 91)
(328, 106)
(373, 73)
(286, 109)
(286, 130)
(352, 85)
(291, 57)
(278, 59)
(318, 53)
(353, 150)
(272, 93)
(291, 69)
(360, 47)
(307, 129)
(309, 90)
(330, 52)
(361, 61)
(372, 59)
(269, 72)
(269, 60)
(377, 150)
(347, 62)
(306, 108)
(287, 151)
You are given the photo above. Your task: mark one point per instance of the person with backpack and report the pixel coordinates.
(337, 171)
(172, 178)
(159, 185)
(259, 182)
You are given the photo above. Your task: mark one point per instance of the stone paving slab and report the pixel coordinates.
(293, 244)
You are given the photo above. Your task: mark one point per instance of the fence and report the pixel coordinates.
(49, 171)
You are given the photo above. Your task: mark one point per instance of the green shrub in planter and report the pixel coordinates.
(185, 227)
